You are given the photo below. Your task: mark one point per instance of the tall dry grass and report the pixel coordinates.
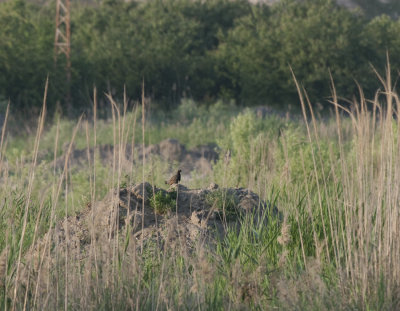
(337, 248)
(362, 214)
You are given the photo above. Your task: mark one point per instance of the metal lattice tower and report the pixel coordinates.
(62, 41)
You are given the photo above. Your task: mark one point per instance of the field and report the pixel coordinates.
(334, 243)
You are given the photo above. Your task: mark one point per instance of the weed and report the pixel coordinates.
(163, 202)
(225, 203)
(337, 186)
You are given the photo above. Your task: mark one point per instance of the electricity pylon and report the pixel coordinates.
(62, 41)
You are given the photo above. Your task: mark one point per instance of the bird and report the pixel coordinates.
(174, 179)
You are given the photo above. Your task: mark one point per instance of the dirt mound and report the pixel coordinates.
(198, 159)
(195, 211)
(134, 217)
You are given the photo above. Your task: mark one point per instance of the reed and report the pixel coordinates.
(335, 244)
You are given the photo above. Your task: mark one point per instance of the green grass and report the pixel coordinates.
(225, 203)
(191, 124)
(162, 203)
(334, 246)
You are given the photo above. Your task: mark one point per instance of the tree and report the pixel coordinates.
(314, 37)
(373, 8)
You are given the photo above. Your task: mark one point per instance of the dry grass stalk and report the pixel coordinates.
(29, 192)
(3, 266)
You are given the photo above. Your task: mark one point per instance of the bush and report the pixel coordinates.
(162, 202)
(247, 148)
(203, 50)
(312, 37)
(225, 203)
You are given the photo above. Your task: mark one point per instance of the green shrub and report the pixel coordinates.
(162, 203)
(225, 203)
(203, 50)
(247, 147)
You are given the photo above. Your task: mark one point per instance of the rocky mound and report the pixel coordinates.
(130, 219)
(147, 210)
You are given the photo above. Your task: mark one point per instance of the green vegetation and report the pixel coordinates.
(204, 50)
(372, 8)
(334, 180)
(162, 202)
(225, 203)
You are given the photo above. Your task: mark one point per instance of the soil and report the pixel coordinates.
(128, 213)
(199, 159)
(194, 214)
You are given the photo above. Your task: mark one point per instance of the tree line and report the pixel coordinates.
(205, 50)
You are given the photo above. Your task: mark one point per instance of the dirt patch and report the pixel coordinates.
(198, 159)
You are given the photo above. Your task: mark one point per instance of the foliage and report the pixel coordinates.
(335, 180)
(225, 203)
(162, 202)
(26, 46)
(336, 201)
(312, 37)
(246, 147)
(372, 8)
(164, 43)
(203, 50)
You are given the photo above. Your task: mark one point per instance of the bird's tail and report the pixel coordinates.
(166, 182)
